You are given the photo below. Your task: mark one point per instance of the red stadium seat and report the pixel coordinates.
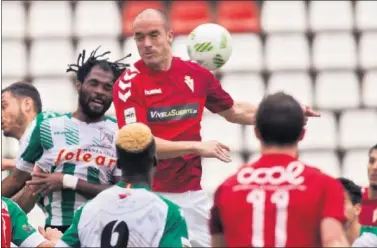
(132, 8)
(238, 16)
(187, 15)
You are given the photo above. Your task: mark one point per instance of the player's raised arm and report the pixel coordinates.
(220, 102)
(333, 215)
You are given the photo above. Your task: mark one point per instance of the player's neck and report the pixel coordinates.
(372, 193)
(288, 150)
(164, 65)
(137, 180)
(18, 134)
(79, 115)
(354, 231)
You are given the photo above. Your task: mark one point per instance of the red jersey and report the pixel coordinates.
(276, 202)
(171, 103)
(6, 227)
(368, 215)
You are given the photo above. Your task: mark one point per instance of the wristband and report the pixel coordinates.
(70, 182)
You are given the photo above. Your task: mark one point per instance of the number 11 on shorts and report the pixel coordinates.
(281, 199)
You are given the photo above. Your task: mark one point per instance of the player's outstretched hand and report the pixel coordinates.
(309, 112)
(214, 149)
(51, 234)
(46, 182)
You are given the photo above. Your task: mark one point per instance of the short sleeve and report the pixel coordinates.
(128, 103)
(23, 234)
(70, 237)
(30, 147)
(175, 232)
(215, 224)
(218, 99)
(333, 200)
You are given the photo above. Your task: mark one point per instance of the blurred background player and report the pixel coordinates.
(278, 201)
(368, 215)
(20, 104)
(366, 236)
(15, 228)
(169, 95)
(76, 150)
(140, 217)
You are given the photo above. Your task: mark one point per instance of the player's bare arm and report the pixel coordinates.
(171, 149)
(52, 182)
(218, 240)
(7, 164)
(332, 233)
(241, 113)
(14, 182)
(244, 113)
(25, 198)
(52, 235)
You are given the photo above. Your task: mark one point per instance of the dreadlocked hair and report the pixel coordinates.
(82, 67)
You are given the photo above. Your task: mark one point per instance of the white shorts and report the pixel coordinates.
(196, 208)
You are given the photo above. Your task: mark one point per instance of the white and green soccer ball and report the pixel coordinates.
(210, 45)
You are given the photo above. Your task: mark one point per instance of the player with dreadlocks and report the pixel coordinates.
(74, 152)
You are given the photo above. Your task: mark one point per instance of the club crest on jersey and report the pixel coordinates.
(27, 228)
(105, 139)
(190, 82)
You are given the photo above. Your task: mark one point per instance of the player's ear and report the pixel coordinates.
(78, 85)
(357, 209)
(257, 133)
(27, 104)
(170, 35)
(302, 135)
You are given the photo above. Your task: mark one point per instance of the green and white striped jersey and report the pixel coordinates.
(60, 143)
(127, 217)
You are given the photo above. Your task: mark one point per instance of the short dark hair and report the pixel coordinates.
(21, 89)
(82, 67)
(136, 149)
(352, 189)
(279, 120)
(372, 148)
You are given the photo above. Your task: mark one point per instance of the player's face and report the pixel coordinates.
(352, 211)
(153, 41)
(13, 118)
(96, 93)
(372, 168)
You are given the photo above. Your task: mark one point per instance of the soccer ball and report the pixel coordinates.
(210, 45)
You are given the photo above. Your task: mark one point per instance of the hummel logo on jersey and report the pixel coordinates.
(190, 82)
(152, 92)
